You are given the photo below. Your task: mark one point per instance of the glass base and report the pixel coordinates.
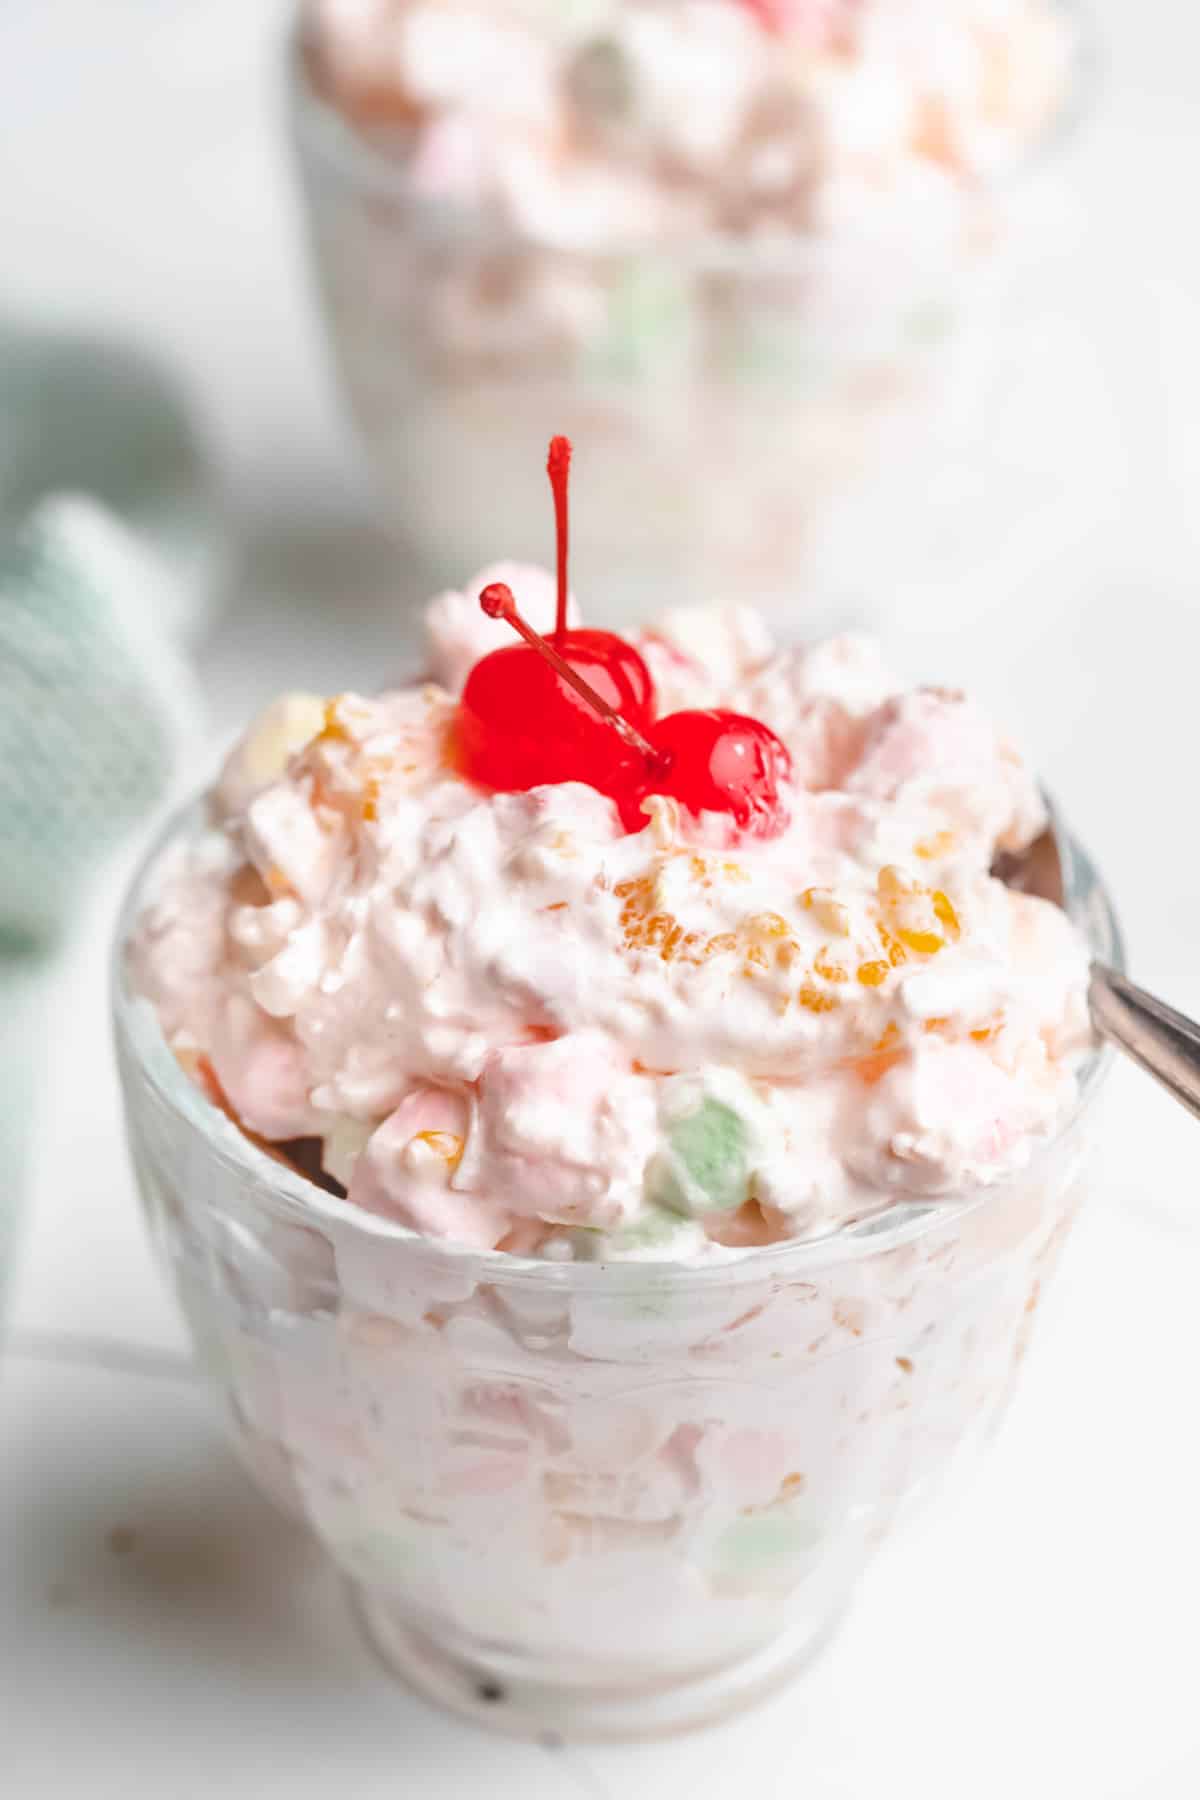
(525, 1704)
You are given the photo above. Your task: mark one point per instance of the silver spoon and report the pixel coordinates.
(1161, 1040)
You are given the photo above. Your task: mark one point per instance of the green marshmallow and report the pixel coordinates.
(647, 322)
(764, 1542)
(653, 1230)
(705, 1169)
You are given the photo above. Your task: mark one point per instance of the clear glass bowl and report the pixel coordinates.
(747, 418)
(603, 1500)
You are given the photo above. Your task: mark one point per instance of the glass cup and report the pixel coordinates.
(749, 417)
(603, 1500)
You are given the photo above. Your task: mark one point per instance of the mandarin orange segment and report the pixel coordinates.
(892, 886)
(924, 943)
(813, 1000)
(872, 1069)
(945, 914)
(671, 942)
(887, 1053)
(873, 974)
(659, 927)
(446, 1144)
(826, 968)
(895, 950)
(332, 730)
(933, 135)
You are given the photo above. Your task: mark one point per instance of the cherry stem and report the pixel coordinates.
(498, 603)
(558, 467)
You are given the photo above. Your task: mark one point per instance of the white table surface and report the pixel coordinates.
(161, 1633)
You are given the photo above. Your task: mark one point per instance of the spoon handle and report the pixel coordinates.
(1163, 1041)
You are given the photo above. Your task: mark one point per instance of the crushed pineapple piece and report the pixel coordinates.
(829, 912)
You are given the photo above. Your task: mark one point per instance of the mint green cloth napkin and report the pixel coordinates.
(96, 707)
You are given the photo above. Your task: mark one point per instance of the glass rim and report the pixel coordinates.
(299, 1201)
(319, 127)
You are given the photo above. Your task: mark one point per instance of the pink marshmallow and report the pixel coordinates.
(404, 1172)
(558, 1129)
(262, 1072)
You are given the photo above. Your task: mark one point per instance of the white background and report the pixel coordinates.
(1037, 1637)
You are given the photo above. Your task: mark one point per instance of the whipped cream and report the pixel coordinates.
(511, 1023)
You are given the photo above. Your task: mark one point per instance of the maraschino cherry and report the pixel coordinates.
(709, 761)
(716, 761)
(814, 18)
(522, 724)
(580, 707)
